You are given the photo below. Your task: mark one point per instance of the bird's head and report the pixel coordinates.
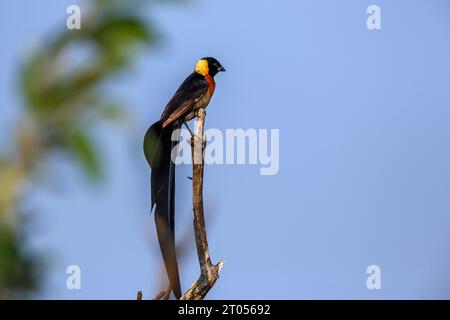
(209, 66)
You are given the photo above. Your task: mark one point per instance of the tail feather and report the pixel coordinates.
(157, 149)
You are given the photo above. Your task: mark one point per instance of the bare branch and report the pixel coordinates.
(209, 273)
(163, 295)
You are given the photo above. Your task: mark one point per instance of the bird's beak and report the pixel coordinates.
(221, 69)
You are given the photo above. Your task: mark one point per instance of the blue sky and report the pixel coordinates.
(364, 152)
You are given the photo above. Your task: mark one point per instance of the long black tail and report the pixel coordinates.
(157, 149)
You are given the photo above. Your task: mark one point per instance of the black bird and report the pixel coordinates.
(194, 93)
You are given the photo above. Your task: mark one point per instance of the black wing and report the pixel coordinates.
(187, 95)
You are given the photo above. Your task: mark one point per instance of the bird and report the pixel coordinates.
(195, 92)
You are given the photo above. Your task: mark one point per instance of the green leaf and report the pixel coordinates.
(17, 269)
(119, 34)
(82, 148)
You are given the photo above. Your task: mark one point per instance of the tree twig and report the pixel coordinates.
(209, 273)
(163, 295)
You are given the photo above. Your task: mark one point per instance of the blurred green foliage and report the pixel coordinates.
(18, 269)
(61, 104)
